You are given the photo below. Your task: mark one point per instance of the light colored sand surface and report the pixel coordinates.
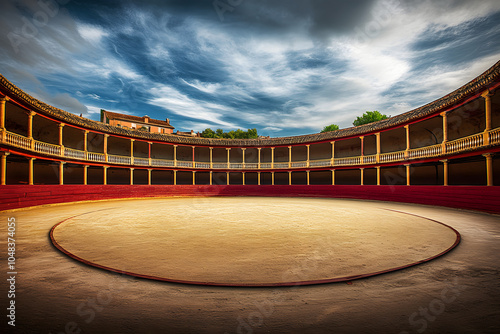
(456, 293)
(251, 240)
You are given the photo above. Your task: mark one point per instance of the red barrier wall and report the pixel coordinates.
(485, 199)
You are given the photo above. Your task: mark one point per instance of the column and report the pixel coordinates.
(362, 176)
(175, 177)
(85, 147)
(30, 128)
(272, 178)
(132, 151)
(378, 175)
(487, 100)
(131, 176)
(377, 136)
(308, 155)
(211, 175)
(3, 167)
(228, 149)
(3, 101)
(61, 172)
(194, 163)
(61, 141)
(211, 159)
(289, 178)
(175, 156)
(194, 178)
(333, 153)
(259, 149)
(85, 175)
(30, 175)
(258, 176)
(227, 178)
(489, 168)
(333, 177)
(445, 131)
(149, 152)
(243, 178)
(149, 176)
(362, 138)
(407, 151)
(308, 179)
(105, 175)
(243, 152)
(272, 157)
(289, 157)
(407, 174)
(445, 172)
(106, 147)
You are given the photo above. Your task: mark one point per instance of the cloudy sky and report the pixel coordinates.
(284, 67)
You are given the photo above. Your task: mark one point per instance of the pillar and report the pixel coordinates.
(149, 152)
(445, 131)
(105, 178)
(61, 172)
(227, 178)
(211, 159)
(106, 147)
(308, 155)
(30, 174)
(362, 138)
(194, 163)
(131, 176)
(333, 177)
(149, 176)
(243, 153)
(211, 175)
(272, 157)
(407, 174)
(3, 101)
(289, 178)
(489, 169)
(175, 156)
(30, 124)
(194, 178)
(289, 156)
(132, 151)
(378, 175)
(243, 178)
(175, 177)
(61, 141)
(259, 149)
(333, 153)
(377, 136)
(85, 175)
(407, 151)
(362, 176)
(272, 178)
(228, 149)
(308, 179)
(258, 176)
(487, 100)
(85, 147)
(445, 172)
(3, 167)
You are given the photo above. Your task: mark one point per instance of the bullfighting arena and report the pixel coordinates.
(255, 265)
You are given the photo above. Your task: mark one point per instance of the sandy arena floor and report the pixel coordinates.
(456, 293)
(230, 241)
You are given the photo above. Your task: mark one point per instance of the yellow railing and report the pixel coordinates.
(472, 142)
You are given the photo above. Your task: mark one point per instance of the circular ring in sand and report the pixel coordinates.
(251, 241)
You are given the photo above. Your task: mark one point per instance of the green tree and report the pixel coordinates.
(208, 133)
(369, 117)
(331, 127)
(233, 134)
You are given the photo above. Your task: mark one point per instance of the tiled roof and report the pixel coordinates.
(476, 86)
(114, 115)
